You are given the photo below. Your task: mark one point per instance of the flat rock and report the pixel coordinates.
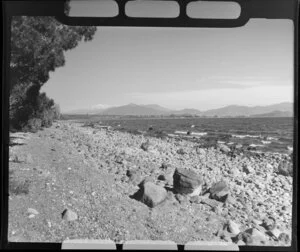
(187, 182)
(211, 202)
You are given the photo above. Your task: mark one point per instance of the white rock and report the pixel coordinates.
(32, 211)
(69, 215)
(49, 224)
(233, 227)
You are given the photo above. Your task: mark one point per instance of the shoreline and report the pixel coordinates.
(258, 191)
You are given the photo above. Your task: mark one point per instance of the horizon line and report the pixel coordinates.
(130, 103)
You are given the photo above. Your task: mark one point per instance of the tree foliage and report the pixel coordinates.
(37, 48)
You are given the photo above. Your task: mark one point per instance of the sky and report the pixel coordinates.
(201, 68)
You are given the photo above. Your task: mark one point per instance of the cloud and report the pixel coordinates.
(101, 106)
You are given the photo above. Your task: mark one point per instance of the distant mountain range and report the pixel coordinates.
(284, 109)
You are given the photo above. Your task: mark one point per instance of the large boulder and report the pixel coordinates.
(151, 194)
(187, 182)
(219, 191)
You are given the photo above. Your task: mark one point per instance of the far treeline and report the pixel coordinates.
(37, 47)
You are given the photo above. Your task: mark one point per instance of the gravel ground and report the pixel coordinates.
(85, 170)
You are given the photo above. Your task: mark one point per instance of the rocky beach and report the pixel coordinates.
(72, 181)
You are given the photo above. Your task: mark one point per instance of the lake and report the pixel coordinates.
(266, 134)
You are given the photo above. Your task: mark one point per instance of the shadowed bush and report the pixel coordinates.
(17, 187)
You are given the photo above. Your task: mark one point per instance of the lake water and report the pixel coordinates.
(267, 134)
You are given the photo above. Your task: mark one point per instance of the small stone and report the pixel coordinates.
(257, 236)
(269, 223)
(223, 148)
(69, 215)
(274, 233)
(219, 191)
(284, 238)
(180, 198)
(181, 151)
(119, 160)
(245, 237)
(145, 146)
(32, 211)
(134, 176)
(31, 216)
(248, 169)
(232, 227)
(164, 165)
(285, 168)
(256, 222)
(200, 151)
(162, 177)
(241, 243)
(211, 202)
(195, 199)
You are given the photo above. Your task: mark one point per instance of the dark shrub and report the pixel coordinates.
(18, 187)
(33, 125)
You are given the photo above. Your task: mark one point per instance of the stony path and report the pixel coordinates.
(85, 170)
